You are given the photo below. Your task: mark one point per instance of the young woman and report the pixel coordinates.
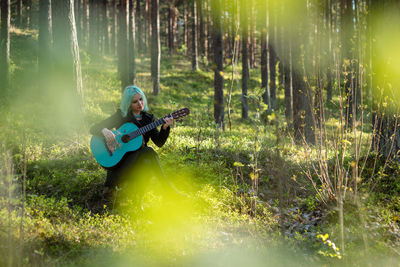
(134, 109)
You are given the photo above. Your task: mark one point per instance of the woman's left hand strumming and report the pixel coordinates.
(168, 122)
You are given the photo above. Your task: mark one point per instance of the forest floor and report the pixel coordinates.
(250, 201)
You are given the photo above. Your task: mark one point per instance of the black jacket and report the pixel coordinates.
(117, 120)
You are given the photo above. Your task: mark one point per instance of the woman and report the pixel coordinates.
(134, 109)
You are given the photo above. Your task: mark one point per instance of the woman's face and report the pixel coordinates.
(137, 104)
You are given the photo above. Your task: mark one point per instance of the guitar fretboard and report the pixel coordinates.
(145, 129)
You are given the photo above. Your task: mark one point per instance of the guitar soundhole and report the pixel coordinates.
(125, 138)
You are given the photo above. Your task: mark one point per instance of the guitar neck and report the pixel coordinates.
(145, 128)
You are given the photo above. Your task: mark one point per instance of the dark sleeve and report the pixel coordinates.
(159, 137)
(114, 121)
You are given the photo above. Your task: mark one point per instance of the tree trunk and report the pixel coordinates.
(132, 50)
(252, 37)
(104, 28)
(195, 64)
(93, 38)
(114, 27)
(218, 61)
(185, 25)
(148, 26)
(139, 26)
(264, 53)
(200, 6)
(28, 13)
(171, 27)
(347, 30)
(272, 56)
(302, 115)
(78, 15)
(245, 58)
(155, 46)
(67, 69)
(5, 11)
(44, 52)
(19, 13)
(123, 66)
(75, 54)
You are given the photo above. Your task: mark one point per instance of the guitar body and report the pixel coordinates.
(107, 159)
(133, 140)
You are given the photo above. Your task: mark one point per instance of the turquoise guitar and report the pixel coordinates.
(128, 137)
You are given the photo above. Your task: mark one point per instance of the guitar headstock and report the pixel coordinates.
(180, 114)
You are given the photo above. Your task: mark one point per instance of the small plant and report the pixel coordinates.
(329, 249)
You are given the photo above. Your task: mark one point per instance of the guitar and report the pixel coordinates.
(128, 137)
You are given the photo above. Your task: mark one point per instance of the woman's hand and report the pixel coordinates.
(110, 139)
(168, 122)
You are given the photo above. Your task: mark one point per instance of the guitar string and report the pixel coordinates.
(152, 125)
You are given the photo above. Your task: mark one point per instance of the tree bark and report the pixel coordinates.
(19, 13)
(67, 68)
(123, 66)
(4, 48)
(139, 26)
(104, 28)
(202, 36)
(245, 58)
(272, 56)
(302, 115)
(347, 30)
(44, 52)
(218, 62)
(264, 53)
(155, 46)
(114, 27)
(132, 50)
(28, 13)
(195, 64)
(93, 37)
(172, 14)
(75, 54)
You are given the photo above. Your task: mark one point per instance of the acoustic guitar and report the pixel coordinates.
(128, 138)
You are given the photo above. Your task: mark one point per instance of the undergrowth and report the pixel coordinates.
(53, 211)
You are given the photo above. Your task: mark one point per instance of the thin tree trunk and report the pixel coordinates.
(272, 56)
(155, 46)
(93, 41)
(252, 37)
(171, 27)
(132, 50)
(4, 48)
(19, 13)
(218, 61)
(104, 29)
(114, 27)
(185, 24)
(123, 45)
(347, 30)
(75, 54)
(245, 58)
(44, 51)
(148, 27)
(195, 64)
(200, 5)
(28, 13)
(264, 54)
(139, 26)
